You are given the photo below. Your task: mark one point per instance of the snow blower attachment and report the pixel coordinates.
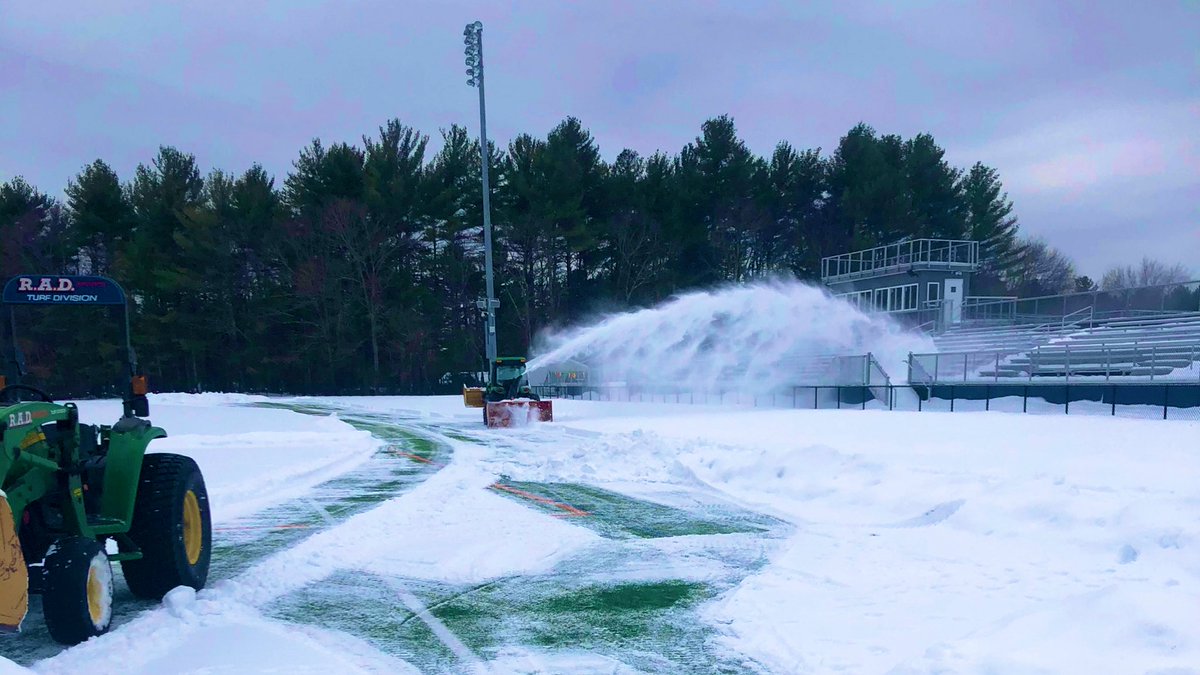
(68, 488)
(509, 400)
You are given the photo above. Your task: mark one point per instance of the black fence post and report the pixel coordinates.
(864, 398)
(1113, 393)
(1067, 398)
(816, 401)
(1025, 400)
(951, 398)
(1166, 394)
(839, 398)
(921, 401)
(987, 397)
(891, 398)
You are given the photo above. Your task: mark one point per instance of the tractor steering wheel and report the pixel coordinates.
(6, 393)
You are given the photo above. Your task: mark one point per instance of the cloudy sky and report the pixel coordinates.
(1090, 110)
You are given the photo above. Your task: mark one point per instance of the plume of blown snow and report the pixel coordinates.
(753, 338)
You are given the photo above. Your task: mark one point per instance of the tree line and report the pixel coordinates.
(360, 271)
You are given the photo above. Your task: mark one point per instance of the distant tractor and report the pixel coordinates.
(70, 488)
(509, 401)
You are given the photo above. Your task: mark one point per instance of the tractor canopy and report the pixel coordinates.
(67, 290)
(507, 379)
(508, 372)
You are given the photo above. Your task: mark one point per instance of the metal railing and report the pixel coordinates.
(1165, 299)
(1090, 363)
(1078, 316)
(1177, 401)
(877, 379)
(1131, 303)
(942, 254)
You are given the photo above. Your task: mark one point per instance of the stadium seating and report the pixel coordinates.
(1003, 338)
(1151, 347)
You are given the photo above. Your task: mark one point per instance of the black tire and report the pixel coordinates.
(76, 590)
(175, 547)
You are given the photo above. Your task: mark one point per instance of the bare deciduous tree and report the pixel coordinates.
(1148, 273)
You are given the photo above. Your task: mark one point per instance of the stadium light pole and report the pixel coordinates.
(473, 39)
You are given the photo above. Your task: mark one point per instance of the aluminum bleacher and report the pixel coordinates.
(1009, 339)
(1155, 347)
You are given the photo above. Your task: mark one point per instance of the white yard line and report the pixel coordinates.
(321, 511)
(418, 608)
(448, 638)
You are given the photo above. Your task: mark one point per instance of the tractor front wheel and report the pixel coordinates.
(171, 526)
(77, 590)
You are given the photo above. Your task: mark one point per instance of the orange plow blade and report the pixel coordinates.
(518, 413)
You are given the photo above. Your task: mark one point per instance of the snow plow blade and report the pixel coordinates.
(14, 577)
(518, 413)
(473, 397)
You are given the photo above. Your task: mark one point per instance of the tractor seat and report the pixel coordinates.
(88, 445)
(127, 424)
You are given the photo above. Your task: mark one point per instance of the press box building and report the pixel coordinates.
(916, 281)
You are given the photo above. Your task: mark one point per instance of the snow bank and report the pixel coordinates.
(204, 636)
(929, 543)
(251, 457)
(1087, 633)
(9, 668)
(450, 528)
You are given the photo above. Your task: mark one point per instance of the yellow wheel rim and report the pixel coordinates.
(95, 597)
(193, 527)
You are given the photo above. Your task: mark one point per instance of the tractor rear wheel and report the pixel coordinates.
(77, 590)
(171, 526)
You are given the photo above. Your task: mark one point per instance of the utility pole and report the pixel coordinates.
(473, 39)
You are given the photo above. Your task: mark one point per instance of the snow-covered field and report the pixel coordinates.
(906, 542)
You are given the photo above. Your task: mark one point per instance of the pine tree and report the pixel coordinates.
(573, 182)
(632, 235)
(797, 195)
(869, 203)
(102, 216)
(721, 186)
(935, 195)
(29, 221)
(990, 221)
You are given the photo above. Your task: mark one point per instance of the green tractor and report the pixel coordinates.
(508, 399)
(69, 488)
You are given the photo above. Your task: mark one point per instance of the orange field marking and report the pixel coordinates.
(415, 458)
(571, 511)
